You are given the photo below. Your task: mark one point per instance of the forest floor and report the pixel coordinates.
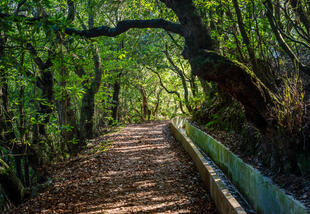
(140, 169)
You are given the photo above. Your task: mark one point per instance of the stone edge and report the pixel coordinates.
(269, 199)
(224, 201)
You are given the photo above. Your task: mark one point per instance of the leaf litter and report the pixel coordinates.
(142, 169)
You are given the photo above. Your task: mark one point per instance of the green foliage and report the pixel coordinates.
(50, 88)
(228, 118)
(289, 111)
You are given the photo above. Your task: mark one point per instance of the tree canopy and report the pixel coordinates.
(71, 68)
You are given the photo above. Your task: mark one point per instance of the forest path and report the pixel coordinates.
(144, 171)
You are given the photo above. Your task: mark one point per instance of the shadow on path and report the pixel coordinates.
(144, 171)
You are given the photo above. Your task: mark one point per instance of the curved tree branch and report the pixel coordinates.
(181, 75)
(166, 89)
(103, 30)
(174, 41)
(124, 26)
(162, 84)
(42, 65)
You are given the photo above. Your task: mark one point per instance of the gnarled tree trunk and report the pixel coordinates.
(234, 77)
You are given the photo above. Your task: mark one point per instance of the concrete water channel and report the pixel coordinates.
(235, 186)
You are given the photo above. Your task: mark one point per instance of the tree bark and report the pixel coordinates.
(115, 97)
(154, 113)
(88, 103)
(46, 84)
(238, 81)
(144, 105)
(10, 183)
(67, 116)
(4, 129)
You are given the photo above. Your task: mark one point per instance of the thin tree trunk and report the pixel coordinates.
(46, 84)
(283, 44)
(144, 105)
(157, 103)
(302, 14)
(6, 129)
(182, 77)
(21, 123)
(115, 97)
(193, 84)
(67, 116)
(88, 104)
(244, 35)
(259, 67)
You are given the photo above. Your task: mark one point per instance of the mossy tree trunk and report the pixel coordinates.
(238, 80)
(11, 185)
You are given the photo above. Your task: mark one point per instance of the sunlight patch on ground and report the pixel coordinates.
(141, 173)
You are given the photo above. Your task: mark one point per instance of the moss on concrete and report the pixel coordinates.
(265, 197)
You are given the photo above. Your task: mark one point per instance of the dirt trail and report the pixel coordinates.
(144, 171)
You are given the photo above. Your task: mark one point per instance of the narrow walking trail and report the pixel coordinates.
(144, 171)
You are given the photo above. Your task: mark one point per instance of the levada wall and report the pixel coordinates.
(260, 191)
(225, 202)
